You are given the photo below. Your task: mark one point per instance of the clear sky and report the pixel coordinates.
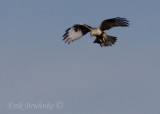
(37, 67)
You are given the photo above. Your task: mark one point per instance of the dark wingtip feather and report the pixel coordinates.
(125, 21)
(67, 30)
(65, 37)
(65, 34)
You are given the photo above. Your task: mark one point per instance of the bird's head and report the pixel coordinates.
(93, 32)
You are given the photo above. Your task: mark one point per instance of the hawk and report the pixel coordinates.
(78, 30)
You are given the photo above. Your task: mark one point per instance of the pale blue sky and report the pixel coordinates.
(37, 66)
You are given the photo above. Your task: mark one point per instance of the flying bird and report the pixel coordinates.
(78, 30)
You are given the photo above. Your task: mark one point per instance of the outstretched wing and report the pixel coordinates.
(76, 32)
(114, 22)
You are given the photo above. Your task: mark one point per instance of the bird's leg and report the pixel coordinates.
(104, 37)
(100, 40)
(104, 40)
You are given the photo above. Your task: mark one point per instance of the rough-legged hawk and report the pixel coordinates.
(79, 30)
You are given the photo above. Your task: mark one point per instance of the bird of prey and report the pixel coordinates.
(78, 30)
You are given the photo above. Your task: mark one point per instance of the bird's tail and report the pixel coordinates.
(109, 41)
